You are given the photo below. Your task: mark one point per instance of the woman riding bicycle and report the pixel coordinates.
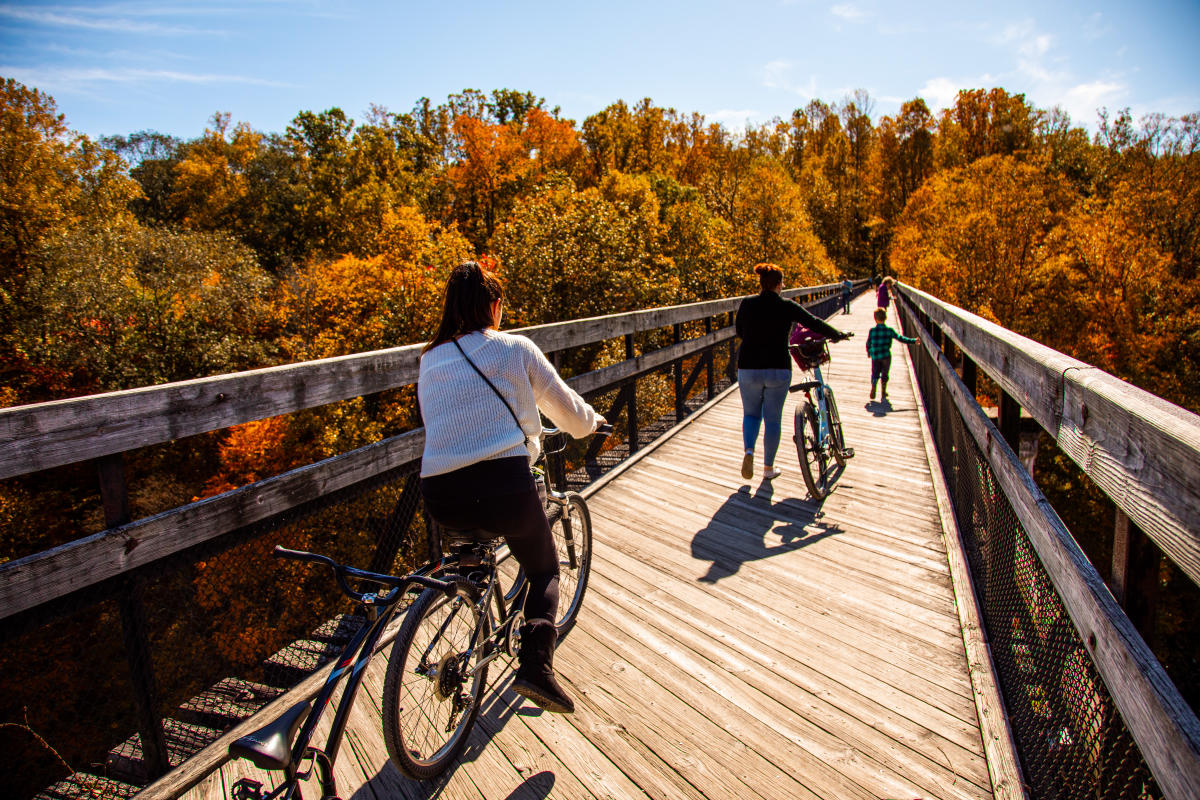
(764, 368)
(480, 392)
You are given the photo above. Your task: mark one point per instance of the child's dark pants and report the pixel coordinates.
(880, 367)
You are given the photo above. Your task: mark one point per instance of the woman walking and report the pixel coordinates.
(764, 367)
(480, 392)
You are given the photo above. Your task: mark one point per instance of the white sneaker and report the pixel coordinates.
(748, 466)
(770, 473)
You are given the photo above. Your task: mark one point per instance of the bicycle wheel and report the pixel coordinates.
(430, 699)
(572, 533)
(835, 429)
(812, 455)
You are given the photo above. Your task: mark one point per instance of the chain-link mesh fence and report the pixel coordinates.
(1071, 740)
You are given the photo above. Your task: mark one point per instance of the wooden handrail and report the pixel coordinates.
(47, 435)
(1141, 450)
(1165, 728)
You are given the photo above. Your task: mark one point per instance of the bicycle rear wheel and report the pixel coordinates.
(571, 527)
(430, 699)
(835, 429)
(813, 460)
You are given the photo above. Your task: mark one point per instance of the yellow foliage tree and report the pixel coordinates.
(973, 236)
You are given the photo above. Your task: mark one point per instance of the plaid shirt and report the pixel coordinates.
(879, 341)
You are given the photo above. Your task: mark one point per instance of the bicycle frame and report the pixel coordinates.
(380, 608)
(823, 430)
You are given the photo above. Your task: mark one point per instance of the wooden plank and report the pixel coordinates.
(1163, 725)
(1138, 448)
(704, 651)
(874, 681)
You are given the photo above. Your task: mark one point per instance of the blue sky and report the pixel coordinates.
(119, 67)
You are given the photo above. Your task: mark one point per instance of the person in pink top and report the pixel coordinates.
(884, 297)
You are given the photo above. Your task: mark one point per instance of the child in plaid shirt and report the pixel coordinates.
(879, 348)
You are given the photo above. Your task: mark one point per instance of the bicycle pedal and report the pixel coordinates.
(847, 452)
(246, 789)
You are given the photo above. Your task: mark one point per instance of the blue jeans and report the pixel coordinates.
(763, 392)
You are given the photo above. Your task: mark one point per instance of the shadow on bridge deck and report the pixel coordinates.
(739, 640)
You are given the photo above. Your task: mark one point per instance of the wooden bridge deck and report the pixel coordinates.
(737, 640)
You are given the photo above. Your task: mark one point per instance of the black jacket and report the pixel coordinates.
(764, 322)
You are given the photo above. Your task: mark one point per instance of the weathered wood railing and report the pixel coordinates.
(103, 429)
(1144, 453)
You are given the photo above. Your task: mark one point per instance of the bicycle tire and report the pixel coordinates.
(423, 691)
(572, 533)
(812, 455)
(836, 436)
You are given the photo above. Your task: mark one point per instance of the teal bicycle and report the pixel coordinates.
(820, 442)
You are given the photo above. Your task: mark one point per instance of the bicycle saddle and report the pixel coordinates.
(270, 747)
(804, 387)
(461, 536)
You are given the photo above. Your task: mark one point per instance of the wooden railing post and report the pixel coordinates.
(711, 356)
(114, 494)
(970, 375)
(731, 364)
(631, 409)
(1010, 421)
(677, 337)
(1136, 563)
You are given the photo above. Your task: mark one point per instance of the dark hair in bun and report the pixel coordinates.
(769, 275)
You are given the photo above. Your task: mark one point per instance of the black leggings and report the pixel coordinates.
(499, 495)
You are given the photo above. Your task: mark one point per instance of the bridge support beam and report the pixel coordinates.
(114, 494)
(1136, 563)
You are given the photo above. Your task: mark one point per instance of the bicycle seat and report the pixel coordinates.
(270, 747)
(464, 536)
(804, 387)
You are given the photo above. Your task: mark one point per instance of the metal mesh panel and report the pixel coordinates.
(1070, 737)
(229, 627)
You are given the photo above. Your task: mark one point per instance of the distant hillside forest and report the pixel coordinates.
(142, 258)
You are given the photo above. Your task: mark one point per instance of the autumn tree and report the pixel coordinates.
(973, 236)
(117, 306)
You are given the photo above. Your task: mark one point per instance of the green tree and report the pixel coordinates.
(120, 306)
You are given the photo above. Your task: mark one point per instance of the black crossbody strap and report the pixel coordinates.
(492, 386)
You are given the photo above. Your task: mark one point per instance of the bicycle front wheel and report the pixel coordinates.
(812, 454)
(430, 696)
(571, 527)
(835, 429)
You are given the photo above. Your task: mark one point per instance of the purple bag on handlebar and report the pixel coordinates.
(807, 347)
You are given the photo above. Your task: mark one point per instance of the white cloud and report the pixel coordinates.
(939, 93)
(848, 12)
(1095, 27)
(1082, 101)
(57, 17)
(735, 118)
(81, 79)
(778, 74)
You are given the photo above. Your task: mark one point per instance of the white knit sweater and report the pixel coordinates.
(465, 422)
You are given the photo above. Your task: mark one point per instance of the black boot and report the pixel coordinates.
(535, 675)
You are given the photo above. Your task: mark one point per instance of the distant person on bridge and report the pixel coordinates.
(884, 295)
(480, 392)
(763, 322)
(847, 290)
(879, 348)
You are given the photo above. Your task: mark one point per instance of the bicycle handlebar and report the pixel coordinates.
(399, 584)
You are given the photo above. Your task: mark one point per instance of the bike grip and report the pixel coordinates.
(604, 430)
(298, 555)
